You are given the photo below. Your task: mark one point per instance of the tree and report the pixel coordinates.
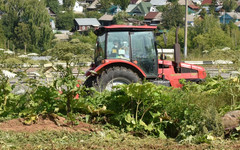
(208, 34)
(65, 20)
(53, 4)
(2, 37)
(104, 5)
(122, 3)
(229, 5)
(173, 16)
(120, 17)
(93, 14)
(31, 14)
(23, 36)
(68, 4)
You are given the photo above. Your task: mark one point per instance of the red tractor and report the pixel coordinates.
(128, 54)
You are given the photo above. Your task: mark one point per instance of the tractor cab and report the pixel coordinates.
(134, 44)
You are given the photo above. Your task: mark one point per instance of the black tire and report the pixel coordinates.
(90, 81)
(116, 75)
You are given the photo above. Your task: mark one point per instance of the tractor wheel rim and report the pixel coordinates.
(115, 82)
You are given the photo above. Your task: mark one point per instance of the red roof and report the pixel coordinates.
(207, 2)
(151, 15)
(133, 1)
(127, 26)
(193, 7)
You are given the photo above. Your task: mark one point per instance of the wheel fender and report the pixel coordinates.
(108, 63)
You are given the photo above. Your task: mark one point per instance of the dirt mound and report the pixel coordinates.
(44, 123)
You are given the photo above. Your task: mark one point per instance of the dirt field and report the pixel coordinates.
(46, 133)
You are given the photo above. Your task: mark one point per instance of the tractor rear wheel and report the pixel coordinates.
(116, 76)
(90, 81)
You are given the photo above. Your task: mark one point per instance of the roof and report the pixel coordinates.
(191, 11)
(133, 1)
(87, 21)
(130, 7)
(234, 14)
(50, 11)
(93, 5)
(153, 15)
(190, 18)
(182, 2)
(194, 7)
(158, 2)
(106, 17)
(207, 2)
(237, 23)
(219, 8)
(144, 7)
(196, 1)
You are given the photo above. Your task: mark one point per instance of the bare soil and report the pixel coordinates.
(45, 123)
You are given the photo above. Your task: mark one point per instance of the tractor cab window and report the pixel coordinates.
(100, 51)
(143, 51)
(118, 45)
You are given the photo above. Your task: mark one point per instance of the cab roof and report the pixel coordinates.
(103, 29)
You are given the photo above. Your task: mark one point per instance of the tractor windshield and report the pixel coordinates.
(118, 45)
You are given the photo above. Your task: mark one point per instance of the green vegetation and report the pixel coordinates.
(26, 24)
(176, 13)
(107, 139)
(191, 114)
(204, 37)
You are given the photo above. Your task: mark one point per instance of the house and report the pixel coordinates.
(133, 1)
(230, 16)
(53, 25)
(60, 2)
(192, 9)
(198, 2)
(141, 9)
(153, 18)
(237, 9)
(84, 24)
(106, 20)
(78, 8)
(94, 5)
(191, 18)
(182, 2)
(207, 2)
(237, 24)
(90, 1)
(132, 21)
(114, 9)
(158, 2)
(130, 8)
(51, 12)
(62, 37)
(219, 9)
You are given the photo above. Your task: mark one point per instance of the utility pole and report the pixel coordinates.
(185, 36)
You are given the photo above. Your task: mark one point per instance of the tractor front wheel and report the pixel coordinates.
(116, 76)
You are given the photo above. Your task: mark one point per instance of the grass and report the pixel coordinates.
(106, 139)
